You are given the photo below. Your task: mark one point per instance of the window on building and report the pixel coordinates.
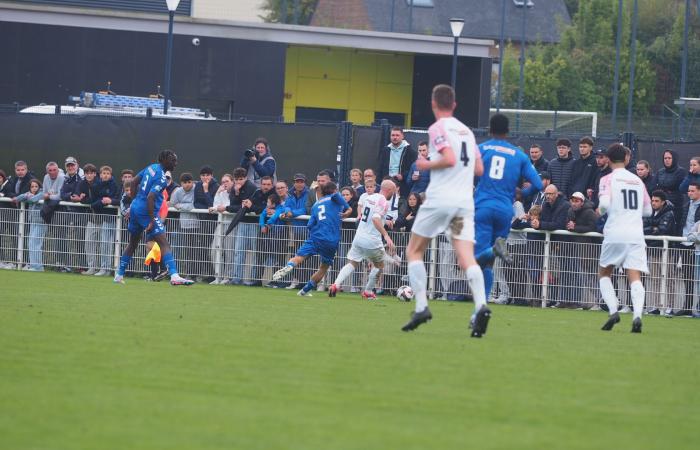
(304, 114)
(421, 3)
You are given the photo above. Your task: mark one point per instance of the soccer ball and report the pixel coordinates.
(404, 293)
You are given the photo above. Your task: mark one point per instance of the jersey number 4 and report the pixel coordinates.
(463, 154)
(630, 199)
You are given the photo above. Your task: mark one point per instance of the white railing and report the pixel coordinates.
(549, 267)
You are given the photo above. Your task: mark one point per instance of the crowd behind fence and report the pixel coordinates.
(549, 267)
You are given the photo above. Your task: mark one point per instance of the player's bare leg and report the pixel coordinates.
(637, 293)
(291, 264)
(467, 262)
(315, 279)
(344, 273)
(608, 292)
(419, 280)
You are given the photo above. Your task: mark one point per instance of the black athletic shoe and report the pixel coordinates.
(417, 318)
(612, 320)
(500, 249)
(481, 322)
(162, 275)
(637, 325)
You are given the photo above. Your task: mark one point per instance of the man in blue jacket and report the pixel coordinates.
(296, 206)
(105, 193)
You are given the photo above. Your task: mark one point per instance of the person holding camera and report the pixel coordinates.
(259, 162)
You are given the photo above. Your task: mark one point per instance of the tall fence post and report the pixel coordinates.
(20, 235)
(117, 240)
(545, 269)
(344, 153)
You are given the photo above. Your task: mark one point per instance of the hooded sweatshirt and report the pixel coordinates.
(669, 179)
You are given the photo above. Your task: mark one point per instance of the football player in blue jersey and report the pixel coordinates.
(148, 186)
(324, 236)
(504, 166)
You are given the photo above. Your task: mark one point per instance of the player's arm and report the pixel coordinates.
(646, 204)
(341, 201)
(151, 204)
(531, 175)
(377, 222)
(604, 195)
(135, 183)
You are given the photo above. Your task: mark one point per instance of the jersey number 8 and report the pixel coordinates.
(498, 166)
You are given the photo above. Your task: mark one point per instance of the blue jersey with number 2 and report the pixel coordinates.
(152, 180)
(504, 166)
(324, 223)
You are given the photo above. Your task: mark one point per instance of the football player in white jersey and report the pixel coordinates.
(449, 206)
(367, 243)
(625, 199)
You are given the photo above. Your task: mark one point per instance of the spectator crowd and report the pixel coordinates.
(568, 202)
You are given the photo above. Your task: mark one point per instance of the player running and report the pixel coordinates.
(324, 236)
(504, 166)
(449, 207)
(367, 243)
(625, 199)
(143, 216)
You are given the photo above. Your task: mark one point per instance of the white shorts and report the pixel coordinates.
(358, 254)
(627, 256)
(457, 223)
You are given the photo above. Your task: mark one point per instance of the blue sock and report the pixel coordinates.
(486, 257)
(308, 286)
(291, 263)
(123, 264)
(488, 280)
(169, 261)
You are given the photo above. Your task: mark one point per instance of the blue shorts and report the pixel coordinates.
(491, 224)
(326, 250)
(139, 222)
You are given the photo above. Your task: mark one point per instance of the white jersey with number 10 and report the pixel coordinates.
(452, 187)
(627, 202)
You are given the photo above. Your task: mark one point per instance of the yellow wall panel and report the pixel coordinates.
(360, 116)
(324, 63)
(322, 93)
(393, 97)
(392, 68)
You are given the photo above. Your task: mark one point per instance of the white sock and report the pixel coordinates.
(345, 272)
(174, 276)
(418, 279)
(475, 277)
(637, 291)
(608, 292)
(372, 279)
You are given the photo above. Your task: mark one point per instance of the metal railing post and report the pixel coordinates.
(20, 235)
(545, 269)
(117, 239)
(664, 274)
(432, 269)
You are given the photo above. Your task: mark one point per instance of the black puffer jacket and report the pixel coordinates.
(586, 219)
(562, 171)
(660, 223)
(541, 165)
(669, 180)
(650, 183)
(585, 171)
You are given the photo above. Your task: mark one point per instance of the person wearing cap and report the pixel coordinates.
(603, 164)
(71, 244)
(172, 185)
(561, 168)
(582, 218)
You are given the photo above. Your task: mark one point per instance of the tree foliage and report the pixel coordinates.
(275, 10)
(578, 73)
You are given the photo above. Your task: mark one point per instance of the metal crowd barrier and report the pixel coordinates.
(549, 267)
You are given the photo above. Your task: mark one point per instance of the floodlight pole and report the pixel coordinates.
(168, 62)
(616, 83)
(684, 67)
(454, 65)
(526, 4)
(501, 44)
(633, 61)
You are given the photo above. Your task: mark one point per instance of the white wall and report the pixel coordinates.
(239, 10)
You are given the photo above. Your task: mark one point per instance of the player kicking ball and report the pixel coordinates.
(367, 243)
(624, 198)
(448, 207)
(143, 216)
(324, 236)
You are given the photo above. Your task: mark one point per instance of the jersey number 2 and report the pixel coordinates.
(322, 212)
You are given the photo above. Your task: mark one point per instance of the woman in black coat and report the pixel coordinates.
(407, 214)
(669, 179)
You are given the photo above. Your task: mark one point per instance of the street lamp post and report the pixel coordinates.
(456, 25)
(501, 45)
(172, 6)
(525, 5)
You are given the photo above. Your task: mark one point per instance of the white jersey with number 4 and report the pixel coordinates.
(452, 187)
(367, 235)
(627, 201)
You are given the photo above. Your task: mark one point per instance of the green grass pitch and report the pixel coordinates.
(86, 364)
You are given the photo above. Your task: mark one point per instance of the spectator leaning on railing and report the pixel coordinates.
(691, 215)
(222, 246)
(106, 193)
(694, 236)
(260, 206)
(188, 225)
(662, 222)
(241, 198)
(37, 227)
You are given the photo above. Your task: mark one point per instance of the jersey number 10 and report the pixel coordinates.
(629, 199)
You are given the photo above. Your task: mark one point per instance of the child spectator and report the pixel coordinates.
(37, 227)
(222, 246)
(355, 179)
(271, 243)
(106, 193)
(87, 196)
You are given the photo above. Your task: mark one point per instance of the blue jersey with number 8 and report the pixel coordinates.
(504, 166)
